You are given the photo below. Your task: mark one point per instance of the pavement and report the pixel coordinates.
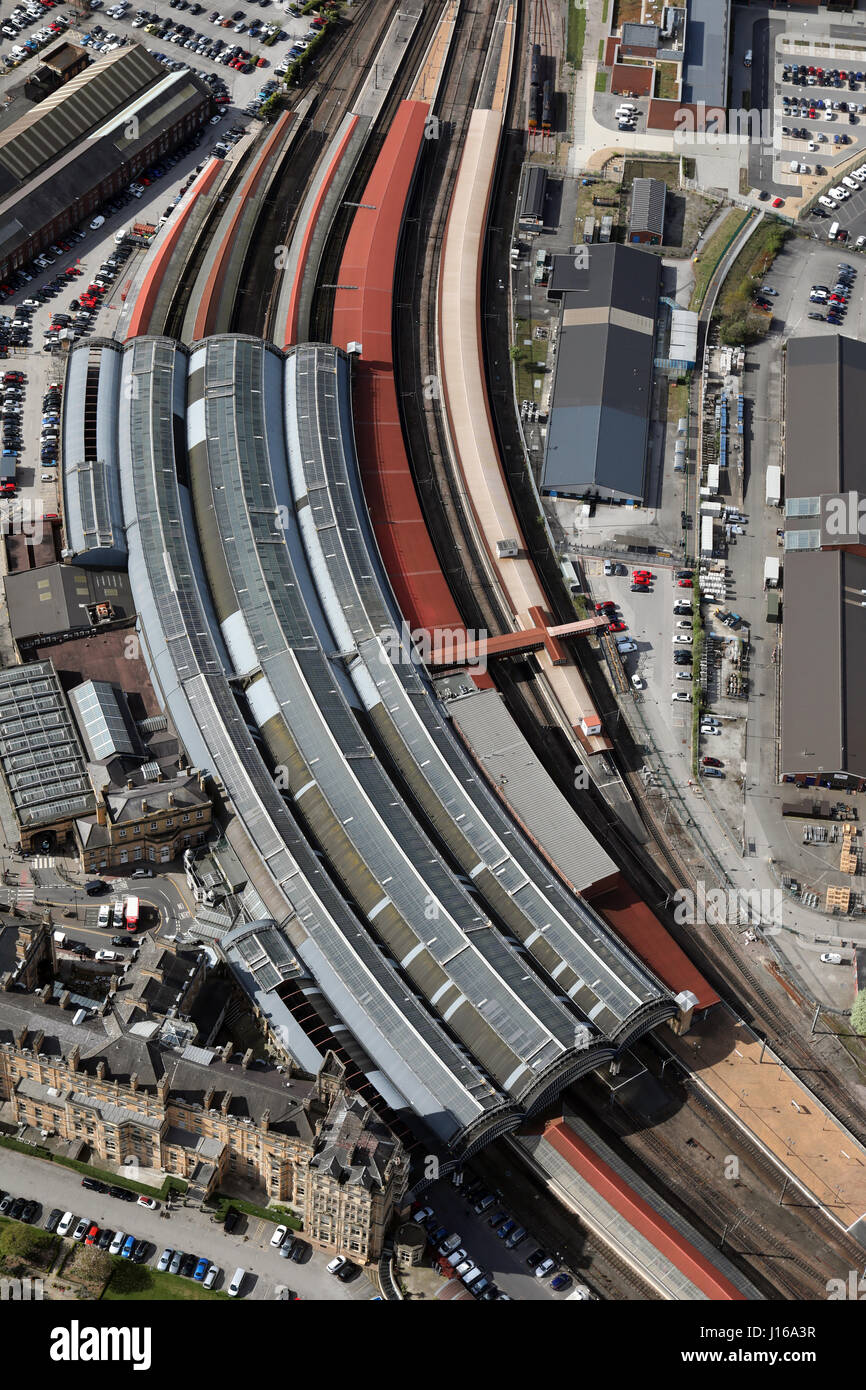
(186, 1228)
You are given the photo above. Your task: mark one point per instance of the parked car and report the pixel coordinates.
(336, 1264)
(279, 1235)
(211, 1277)
(81, 1229)
(831, 958)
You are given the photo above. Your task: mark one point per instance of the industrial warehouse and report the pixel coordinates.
(73, 150)
(600, 404)
(824, 664)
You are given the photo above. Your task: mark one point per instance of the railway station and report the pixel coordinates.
(306, 646)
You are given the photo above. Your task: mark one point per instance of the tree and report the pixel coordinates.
(130, 1278)
(858, 1013)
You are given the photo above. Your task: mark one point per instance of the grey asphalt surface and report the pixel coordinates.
(507, 1268)
(186, 1228)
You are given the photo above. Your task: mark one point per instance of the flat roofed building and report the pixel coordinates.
(598, 425)
(62, 601)
(66, 59)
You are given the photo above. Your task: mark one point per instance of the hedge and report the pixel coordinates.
(275, 1213)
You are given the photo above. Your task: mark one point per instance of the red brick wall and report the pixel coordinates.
(610, 48)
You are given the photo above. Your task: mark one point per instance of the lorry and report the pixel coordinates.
(773, 485)
(60, 939)
(771, 572)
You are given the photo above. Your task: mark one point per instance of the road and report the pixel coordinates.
(187, 1229)
(167, 899)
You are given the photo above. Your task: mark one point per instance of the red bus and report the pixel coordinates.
(131, 914)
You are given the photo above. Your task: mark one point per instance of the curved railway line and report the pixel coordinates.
(452, 533)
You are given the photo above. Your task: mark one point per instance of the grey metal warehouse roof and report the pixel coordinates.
(471, 976)
(824, 655)
(93, 512)
(825, 415)
(73, 111)
(824, 663)
(600, 405)
(40, 752)
(439, 1079)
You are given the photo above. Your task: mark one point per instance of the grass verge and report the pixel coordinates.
(140, 1283)
(739, 321)
(601, 81)
(576, 35)
(712, 252)
(25, 1248)
(275, 1213)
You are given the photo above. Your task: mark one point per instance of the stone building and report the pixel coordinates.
(111, 1087)
(150, 823)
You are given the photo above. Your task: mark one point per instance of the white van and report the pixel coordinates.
(833, 232)
(235, 1286)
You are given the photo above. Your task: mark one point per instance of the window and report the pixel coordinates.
(121, 834)
(154, 825)
(124, 856)
(185, 819)
(199, 815)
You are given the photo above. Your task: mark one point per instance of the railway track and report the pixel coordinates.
(340, 76)
(323, 299)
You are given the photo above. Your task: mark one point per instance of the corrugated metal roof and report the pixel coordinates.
(648, 198)
(72, 111)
